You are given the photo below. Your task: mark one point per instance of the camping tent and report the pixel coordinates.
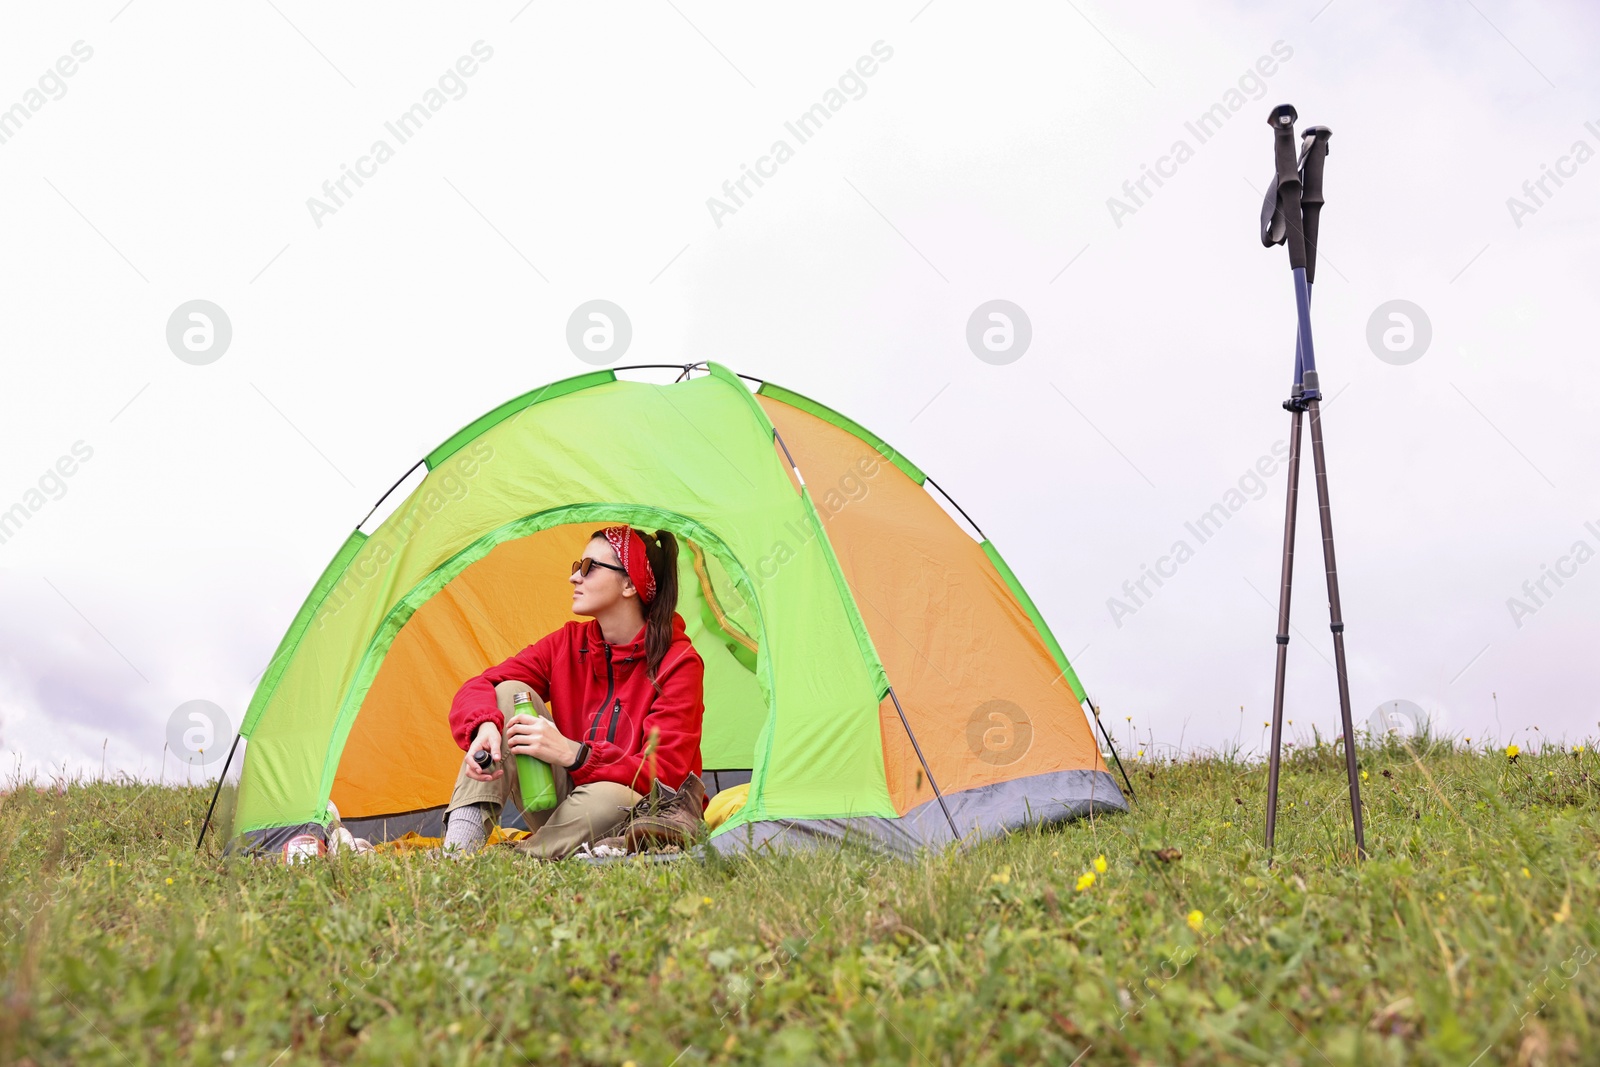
(870, 666)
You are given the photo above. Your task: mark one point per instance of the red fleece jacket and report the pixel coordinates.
(601, 694)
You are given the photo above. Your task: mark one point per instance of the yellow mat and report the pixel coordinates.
(725, 804)
(413, 840)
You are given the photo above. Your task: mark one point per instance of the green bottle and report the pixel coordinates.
(538, 782)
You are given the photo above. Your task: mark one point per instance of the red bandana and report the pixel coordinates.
(629, 547)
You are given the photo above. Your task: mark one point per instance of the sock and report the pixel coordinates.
(465, 830)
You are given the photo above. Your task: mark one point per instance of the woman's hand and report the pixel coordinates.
(537, 736)
(487, 740)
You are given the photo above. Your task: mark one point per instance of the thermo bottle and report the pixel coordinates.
(538, 782)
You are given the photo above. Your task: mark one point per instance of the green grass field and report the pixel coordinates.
(1465, 940)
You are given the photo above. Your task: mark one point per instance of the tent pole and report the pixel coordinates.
(1110, 744)
(391, 489)
(922, 760)
(655, 366)
(218, 791)
(958, 507)
(789, 456)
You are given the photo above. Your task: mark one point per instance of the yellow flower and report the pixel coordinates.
(1085, 880)
(1100, 864)
(169, 881)
(1227, 825)
(1525, 873)
(1363, 776)
(705, 900)
(1197, 919)
(1001, 877)
(1511, 751)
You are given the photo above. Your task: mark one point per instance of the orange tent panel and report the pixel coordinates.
(979, 686)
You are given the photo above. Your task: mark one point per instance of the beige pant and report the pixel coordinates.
(583, 813)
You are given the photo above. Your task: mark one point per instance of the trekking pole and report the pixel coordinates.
(1275, 223)
(1313, 158)
(1291, 214)
(1284, 587)
(1281, 214)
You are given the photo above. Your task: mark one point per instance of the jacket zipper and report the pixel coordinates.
(611, 731)
(611, 686)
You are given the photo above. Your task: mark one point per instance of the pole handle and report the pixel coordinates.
(1274, 223)
(1313, 158)
(1280, 211)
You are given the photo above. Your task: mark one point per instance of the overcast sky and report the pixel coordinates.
(992, 153)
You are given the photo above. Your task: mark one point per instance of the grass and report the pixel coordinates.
(1466, 939)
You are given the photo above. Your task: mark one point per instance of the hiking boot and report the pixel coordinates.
(668, 817)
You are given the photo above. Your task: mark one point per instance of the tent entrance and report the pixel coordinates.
(499, 596)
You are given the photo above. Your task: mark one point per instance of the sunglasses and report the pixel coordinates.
(585, 565)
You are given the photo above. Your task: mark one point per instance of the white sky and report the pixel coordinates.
(976, 166)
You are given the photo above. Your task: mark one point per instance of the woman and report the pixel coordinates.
(617, 703)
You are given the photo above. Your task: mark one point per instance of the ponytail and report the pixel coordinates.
(662, 551)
